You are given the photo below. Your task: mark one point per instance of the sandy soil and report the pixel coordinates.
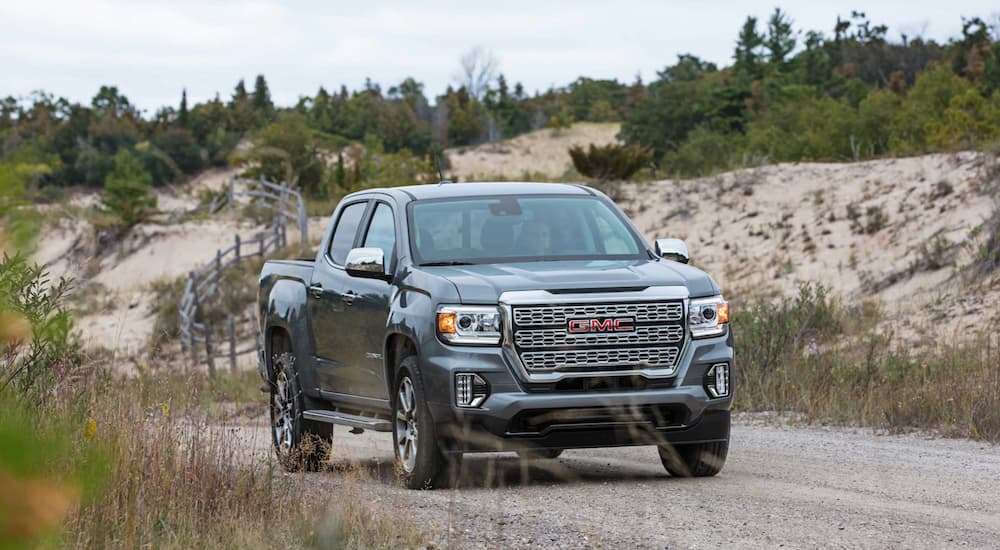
(782, 486)
(541, 152)
(772, 228)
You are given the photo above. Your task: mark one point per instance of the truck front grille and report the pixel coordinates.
(545, 345)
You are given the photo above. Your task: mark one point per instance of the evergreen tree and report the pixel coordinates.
(182, 113)
(126, 190)
(748, 45)
(261, 95)
(780, 38)
(239, 94)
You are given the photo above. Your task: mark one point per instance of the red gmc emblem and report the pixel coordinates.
(606, 324)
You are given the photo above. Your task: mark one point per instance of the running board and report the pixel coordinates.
(353, 420)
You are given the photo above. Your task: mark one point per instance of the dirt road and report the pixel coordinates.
(790, 487)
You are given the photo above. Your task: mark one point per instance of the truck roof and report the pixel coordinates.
(474, 189)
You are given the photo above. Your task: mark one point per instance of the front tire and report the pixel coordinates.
(298, 443)
(419, 460)
(697, 460)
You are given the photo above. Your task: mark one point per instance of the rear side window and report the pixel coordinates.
(346, 230)
(382, 231)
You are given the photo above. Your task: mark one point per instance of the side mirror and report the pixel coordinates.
(368, 263)
(672, 249)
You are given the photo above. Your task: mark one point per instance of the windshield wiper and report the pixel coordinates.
(446, 262)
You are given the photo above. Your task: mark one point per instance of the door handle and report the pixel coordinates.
(316, 291)
(348, 297)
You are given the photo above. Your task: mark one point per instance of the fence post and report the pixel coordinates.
(230, 187)
(237, 249)
(218, 266)
(260, 245)
(209, 358)
(191, 318)
(303, 226)
(283, 232)
(232, 343)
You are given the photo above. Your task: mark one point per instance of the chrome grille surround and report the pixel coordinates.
(665, 357)
(558, 315)
(548, 352)
(648, 334)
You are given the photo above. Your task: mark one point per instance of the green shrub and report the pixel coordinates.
(610, 162)
(127, 193)
(37, 346)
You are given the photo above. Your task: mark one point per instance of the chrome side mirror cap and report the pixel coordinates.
(366, 262)
(672, 249)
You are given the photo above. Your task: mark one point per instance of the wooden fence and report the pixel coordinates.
(208, 339)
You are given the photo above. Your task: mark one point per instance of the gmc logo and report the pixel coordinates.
(607, 324)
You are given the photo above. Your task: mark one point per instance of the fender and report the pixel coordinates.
(286, 309)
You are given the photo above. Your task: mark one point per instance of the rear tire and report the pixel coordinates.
(298, 443)
(419, 460)
(697, 460)
(539, 454)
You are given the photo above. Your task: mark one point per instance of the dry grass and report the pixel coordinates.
(173, 476)
(829, 362)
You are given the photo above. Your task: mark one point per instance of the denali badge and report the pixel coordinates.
(606, 324)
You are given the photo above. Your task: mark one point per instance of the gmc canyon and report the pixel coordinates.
(476, 317)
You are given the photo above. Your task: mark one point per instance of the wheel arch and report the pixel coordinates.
(398, 345)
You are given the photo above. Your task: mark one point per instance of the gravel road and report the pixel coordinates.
(781, 487)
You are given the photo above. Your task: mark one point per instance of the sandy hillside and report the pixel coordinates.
(113, 277)
(895, 231)
(542, 152)
(892, 231)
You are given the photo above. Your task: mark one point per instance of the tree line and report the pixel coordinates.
(789, 95)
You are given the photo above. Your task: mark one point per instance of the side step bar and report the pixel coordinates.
(353, 420)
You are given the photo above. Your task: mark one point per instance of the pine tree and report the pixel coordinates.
(261, 95)
(182, 113)
(126, 190)
(780, 39)
(748, 46)
(239, 94)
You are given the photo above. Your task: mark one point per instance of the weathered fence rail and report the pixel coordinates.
(204, 337)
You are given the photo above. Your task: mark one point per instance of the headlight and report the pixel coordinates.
(480, 325)
(708, 316)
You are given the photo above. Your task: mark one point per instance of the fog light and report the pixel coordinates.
(717, 380)
(470, 389)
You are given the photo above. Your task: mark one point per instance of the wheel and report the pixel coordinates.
(539, 454)
(698, 460)
(419, 460)
(298, 443)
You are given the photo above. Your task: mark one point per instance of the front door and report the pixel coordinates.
(371, 306)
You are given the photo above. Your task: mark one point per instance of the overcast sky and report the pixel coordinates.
(153, 49)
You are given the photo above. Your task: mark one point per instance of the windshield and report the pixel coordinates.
(512, 229)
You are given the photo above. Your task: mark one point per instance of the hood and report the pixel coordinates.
(483, 284)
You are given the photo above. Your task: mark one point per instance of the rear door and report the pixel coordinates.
(328, 299)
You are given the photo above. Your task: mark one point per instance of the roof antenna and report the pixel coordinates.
(437, 166)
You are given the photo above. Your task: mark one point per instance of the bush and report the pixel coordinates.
(610, 162)
(37, 346)
(127, 193)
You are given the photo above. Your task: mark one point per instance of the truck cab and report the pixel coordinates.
(527, 317)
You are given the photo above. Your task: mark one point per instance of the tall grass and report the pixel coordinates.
(829, 362)
(141, 463)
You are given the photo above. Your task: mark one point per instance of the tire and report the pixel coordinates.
(539, 454)
(698, 460)
(298, 443)
(420, 463)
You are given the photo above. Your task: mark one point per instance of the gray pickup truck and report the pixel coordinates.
(477, 317)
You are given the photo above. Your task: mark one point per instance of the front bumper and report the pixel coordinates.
(521, 415)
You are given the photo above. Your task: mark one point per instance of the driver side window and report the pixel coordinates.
(382, 232)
